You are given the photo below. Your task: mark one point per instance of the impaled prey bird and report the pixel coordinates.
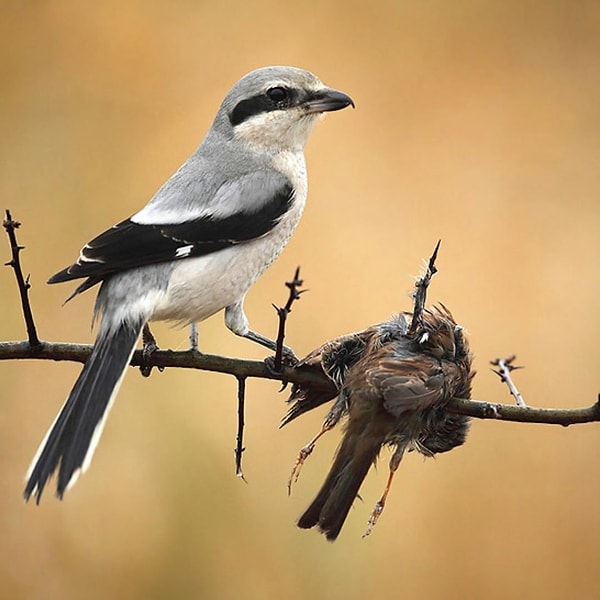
(196, 248)
(393, 384)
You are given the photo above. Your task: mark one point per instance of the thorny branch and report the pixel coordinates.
(420, 293)
(283, 312)
(33, 348)
(527, 414)
(505, 367)
(239, 448)
(23, 283)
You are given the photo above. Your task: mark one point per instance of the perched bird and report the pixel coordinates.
(196, 248)
(393, 383)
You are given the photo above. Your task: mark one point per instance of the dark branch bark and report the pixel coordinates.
(239, 438)
(242, 368)
(526, 414)
(420, 291)
(23, 283)
(186, 359)
(282, 313)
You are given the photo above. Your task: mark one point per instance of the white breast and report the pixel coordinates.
(201, 286)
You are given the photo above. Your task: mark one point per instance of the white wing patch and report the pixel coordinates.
(86, 259)
(184, 251)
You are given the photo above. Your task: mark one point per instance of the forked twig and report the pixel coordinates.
(505, 367)
(420, 293)
(23, 282)
(282, 313)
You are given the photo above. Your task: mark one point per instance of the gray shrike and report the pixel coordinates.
(197, 247)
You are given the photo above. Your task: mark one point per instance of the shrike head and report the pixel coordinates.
(276, 107)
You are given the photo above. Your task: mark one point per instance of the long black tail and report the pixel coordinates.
(329, 509)
(70, 443)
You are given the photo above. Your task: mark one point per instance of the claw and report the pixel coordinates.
(148, 349)
(305, 452)
(302, 456)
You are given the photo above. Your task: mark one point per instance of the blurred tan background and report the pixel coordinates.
(477, 123)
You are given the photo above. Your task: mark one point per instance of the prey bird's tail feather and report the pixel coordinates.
(70, 443)
(329, 509)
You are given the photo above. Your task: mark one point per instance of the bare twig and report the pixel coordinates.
(23, 283)
(525, 414)
(239, 447)
(420, 293)
(283, 312)
(505, 366)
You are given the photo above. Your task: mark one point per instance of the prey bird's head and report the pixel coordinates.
(276, 107)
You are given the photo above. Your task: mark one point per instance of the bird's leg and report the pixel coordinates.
(236, 321)
(149, 346)
(194, 336)
(304, 453)
(339, 408)
(289, 356)
(394, 463)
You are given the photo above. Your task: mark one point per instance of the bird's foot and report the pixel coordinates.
(149, 347)
(374, 517)
(302, 456)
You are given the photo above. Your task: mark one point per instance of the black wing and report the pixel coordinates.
(129, 244)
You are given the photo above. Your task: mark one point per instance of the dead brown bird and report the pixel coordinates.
(394, 382)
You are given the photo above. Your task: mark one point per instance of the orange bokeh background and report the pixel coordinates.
(477, 123)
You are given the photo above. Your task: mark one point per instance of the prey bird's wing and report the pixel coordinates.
(407, 384)
(333, 360)
(240, 211)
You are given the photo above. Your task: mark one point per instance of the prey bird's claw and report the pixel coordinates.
(302, 456)
(374, 518)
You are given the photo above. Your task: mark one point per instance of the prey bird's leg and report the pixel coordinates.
(394, 463)
(304, 453)
(339, 408)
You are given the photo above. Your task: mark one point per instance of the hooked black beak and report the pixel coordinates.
(327, 100)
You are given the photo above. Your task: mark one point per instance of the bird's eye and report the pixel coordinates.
(277, 94)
